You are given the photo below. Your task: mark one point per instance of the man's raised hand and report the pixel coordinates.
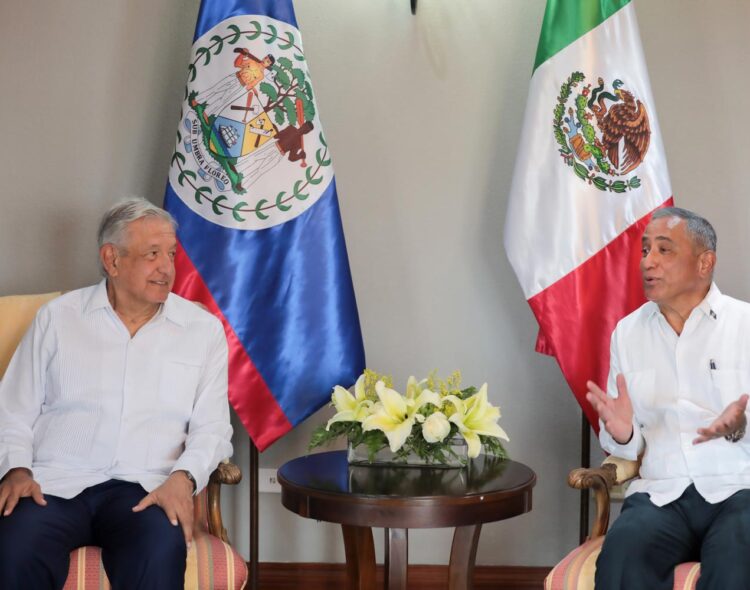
(731, 420)
(615, 413)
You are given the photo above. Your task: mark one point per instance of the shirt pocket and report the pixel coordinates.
(641, 389)
(177, 389)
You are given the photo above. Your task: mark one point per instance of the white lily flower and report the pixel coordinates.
(350, 408)
(474, 417)
(395, 414)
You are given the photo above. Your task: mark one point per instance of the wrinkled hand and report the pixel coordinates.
(175, 498)
(18, 483)
(730, 420)
(616, 413)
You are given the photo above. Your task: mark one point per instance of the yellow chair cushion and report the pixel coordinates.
(16, 314)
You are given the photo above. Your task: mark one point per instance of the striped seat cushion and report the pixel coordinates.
(576, 571)
(211, 565)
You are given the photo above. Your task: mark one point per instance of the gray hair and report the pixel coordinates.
(116, 220)
(700, 231)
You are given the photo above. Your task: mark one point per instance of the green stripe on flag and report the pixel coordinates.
(567, 20)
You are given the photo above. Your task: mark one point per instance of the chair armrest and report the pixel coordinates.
(613, 471)
(225, 473)
(600, 479)
(625, 469)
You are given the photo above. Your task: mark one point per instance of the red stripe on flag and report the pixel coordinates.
(248, 393)
(576, 317)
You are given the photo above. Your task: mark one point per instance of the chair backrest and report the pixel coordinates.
(16, 315)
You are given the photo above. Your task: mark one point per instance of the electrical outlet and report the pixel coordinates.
(267, 481)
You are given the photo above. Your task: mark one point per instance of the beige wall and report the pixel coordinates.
(423, 116)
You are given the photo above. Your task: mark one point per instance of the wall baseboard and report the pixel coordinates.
(327, 576)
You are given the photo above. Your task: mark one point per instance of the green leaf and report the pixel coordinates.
(618, 186)
(291, 111)
(634, 182)
(280, 204)
(322, 139)
(274, 34)
(178, 157)
(299, 57)
(296, 193)
(236, 211)
(600, 183)
(299, 75)
(321, 158)
(191, 72)
(581, 171)
(268, 90)
(310, 178)
(285, 63)
(282, 79)
(258, 211)
(215, 204)
(205, 54)
(278, 115)
(290, 41)
(202, 192)
(179, 135)
(219, 41)
(255, 34)
(185, 174)
(236, 36)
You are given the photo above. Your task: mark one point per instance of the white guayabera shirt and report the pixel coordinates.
(678, 384)
(82, 402)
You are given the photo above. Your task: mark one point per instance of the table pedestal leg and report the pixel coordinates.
(463, 554)
(360, 557)
(396, 559)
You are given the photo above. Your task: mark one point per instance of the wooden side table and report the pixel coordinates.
(324, 486)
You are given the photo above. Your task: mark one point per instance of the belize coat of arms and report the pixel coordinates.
(250, 153)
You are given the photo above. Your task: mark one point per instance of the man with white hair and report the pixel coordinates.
(113, 413)
(677, 395)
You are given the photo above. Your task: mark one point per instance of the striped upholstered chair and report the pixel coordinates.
(212, 564)
(576, 570)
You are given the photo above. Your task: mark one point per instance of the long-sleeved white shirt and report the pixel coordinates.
(678, 384)
(82, 402)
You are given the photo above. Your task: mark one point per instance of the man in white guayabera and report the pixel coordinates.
(113, 413)
(677, 395)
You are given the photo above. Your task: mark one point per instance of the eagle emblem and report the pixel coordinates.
(603, 132)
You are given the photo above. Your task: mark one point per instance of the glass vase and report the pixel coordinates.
(456, 457)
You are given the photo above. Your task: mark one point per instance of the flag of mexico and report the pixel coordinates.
(261, 242)
(590, 170)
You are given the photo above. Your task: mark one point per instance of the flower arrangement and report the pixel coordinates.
(424, 421)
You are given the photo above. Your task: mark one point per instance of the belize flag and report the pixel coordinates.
(590, 171)
(251, 185)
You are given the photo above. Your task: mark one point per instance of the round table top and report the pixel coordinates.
(324, 486)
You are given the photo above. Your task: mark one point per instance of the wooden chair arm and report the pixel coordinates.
(613, 471)
(226, 473)
(600, 480)
(625, 468)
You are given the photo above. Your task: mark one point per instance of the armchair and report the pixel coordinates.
(212, 564)
(576, 570)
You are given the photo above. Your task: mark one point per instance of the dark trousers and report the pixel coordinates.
(646, 542)
(139, 550)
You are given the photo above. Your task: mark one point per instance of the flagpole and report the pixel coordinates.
(585, 462)
(253, 565)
